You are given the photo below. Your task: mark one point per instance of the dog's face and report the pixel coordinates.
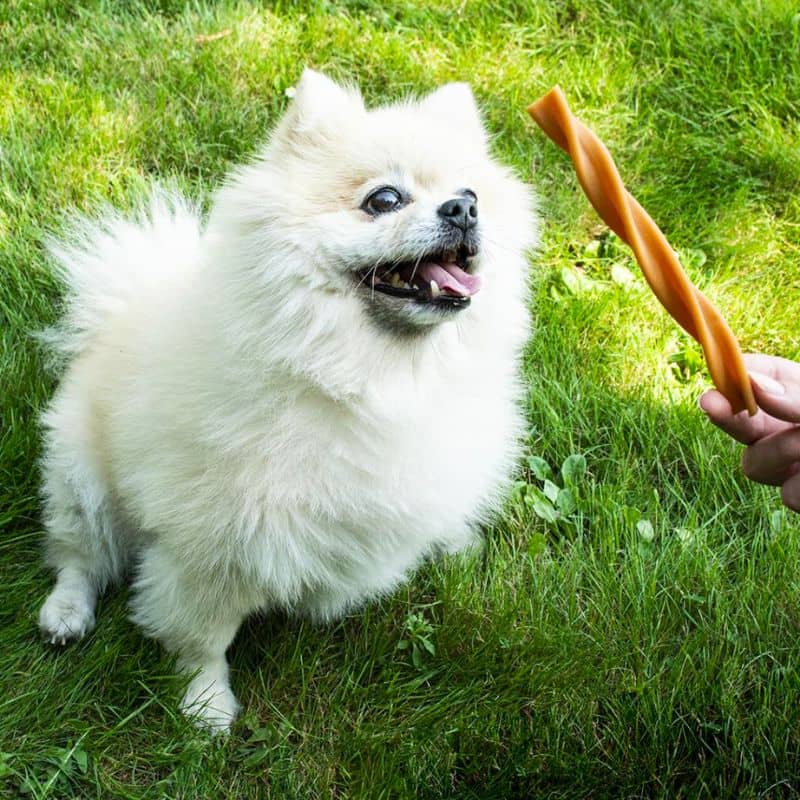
(393, 208)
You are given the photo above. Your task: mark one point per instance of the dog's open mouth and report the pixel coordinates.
(440, 279)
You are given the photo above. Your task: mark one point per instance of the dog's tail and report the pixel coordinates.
(104, 261)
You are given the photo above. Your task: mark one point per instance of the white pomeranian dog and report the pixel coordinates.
(294, 403)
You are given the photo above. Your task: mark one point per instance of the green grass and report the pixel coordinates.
(595, 656)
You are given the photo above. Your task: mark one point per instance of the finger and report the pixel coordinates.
(741, 426)
(790, 491)
(771, 459)
(776, 385)
(780, 369)
(780, 398)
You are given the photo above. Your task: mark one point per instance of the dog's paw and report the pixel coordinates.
(66, 616)
(210, 703)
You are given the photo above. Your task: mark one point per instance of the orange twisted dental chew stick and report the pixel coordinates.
(689, 307)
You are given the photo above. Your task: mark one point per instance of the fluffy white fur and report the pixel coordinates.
(235, 428)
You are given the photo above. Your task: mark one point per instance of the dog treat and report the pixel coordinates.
(689, 307)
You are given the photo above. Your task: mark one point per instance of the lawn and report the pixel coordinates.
(644, 643)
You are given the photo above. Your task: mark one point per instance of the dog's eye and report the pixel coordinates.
(382, 200)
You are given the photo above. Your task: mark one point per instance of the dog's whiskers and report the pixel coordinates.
(416, 267)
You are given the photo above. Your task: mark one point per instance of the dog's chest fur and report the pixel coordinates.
(346, 497)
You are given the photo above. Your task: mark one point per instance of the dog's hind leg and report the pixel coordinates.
(84, 545)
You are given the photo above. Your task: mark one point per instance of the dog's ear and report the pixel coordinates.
(318, 103)
(455, 102)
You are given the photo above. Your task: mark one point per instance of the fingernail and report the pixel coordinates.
(767, 384)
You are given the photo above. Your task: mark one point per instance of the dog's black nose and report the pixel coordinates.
(460, 211)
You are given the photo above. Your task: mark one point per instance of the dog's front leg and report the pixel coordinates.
(195, 615)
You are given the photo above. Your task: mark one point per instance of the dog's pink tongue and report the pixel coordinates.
(451, 278)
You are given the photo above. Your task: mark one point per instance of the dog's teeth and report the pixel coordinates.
(435, 290)
(396, 281)
(406, 285)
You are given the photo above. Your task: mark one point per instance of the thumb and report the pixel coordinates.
(780, 399)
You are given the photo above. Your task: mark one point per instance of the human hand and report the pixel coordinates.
(772, 436)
